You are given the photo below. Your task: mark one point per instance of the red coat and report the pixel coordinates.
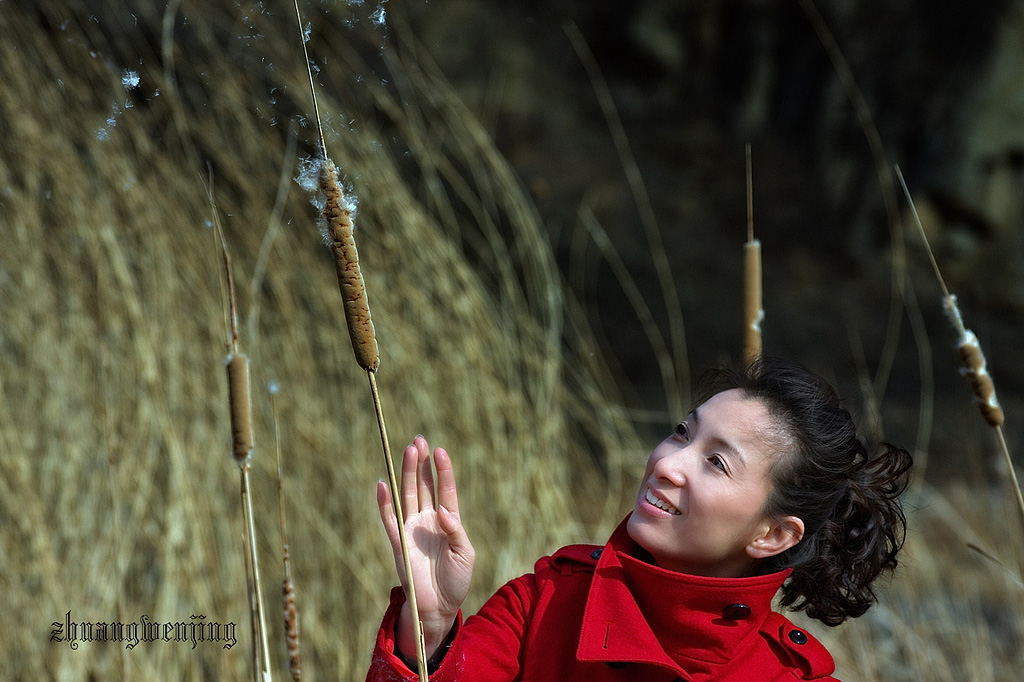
(577, 617)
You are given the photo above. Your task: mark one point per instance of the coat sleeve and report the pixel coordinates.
(488, 646)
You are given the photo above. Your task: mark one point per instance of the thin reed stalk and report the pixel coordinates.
(675, 369)
(889, 197)
(630, 287)
(972, 358)
(902, 294)
(262, 670)
(288, 601)
(115, 500)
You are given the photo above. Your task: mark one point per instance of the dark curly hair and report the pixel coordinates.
(847, 497)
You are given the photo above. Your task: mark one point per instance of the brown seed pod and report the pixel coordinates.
(291, 629)
(753, 311)
(240, 407)
(338, 222)
(976, 371)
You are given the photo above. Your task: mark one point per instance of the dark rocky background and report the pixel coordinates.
(693, 83)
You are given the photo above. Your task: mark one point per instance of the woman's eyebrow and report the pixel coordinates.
(718, 442)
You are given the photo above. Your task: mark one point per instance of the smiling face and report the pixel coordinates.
(700, 505)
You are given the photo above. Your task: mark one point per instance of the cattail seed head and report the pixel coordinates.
(240, 407)
(337, 214)
(291, 629)
(753, 310)
(976, 371)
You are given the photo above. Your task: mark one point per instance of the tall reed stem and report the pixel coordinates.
(675, 369)
(262, 671)
(421, 652)
(337, 216)
(240, 410)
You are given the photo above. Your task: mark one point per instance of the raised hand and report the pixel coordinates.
(440, 552)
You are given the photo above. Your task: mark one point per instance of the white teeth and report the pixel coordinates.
(660, 504)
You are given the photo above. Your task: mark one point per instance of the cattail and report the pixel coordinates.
(291, 628)
(337, 214)
(753, 308)
(974, 366)
(240, 407)
(289, 607)
(972, 358)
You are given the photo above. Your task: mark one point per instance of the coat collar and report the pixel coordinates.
(635, 611)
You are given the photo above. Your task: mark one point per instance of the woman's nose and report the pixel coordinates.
(672, 468)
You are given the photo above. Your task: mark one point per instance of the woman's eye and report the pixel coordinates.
(681, 430)
(718, 463)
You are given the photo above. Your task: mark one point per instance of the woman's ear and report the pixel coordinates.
(776, 537)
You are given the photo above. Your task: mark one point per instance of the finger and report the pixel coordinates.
(388, 518)
(446, 495)
(425, 476)
(410, 498)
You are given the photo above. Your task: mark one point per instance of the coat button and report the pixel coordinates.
(596, 554)
(736, 612)
(798, 636)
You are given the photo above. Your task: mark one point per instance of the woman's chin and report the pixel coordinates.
(637, 527)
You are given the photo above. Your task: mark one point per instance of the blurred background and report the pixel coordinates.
(552, 211)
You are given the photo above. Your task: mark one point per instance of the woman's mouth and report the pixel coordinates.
(650, 498)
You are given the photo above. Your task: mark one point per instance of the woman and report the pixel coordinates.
(763, 487)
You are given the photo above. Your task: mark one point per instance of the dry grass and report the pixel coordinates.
(110, 355)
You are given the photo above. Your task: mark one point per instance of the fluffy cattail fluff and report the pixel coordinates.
(975, 367)
(241, 408)
(337, 215)
(291, 628)
(753, 310)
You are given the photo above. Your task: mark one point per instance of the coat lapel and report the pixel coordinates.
(614, 629)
